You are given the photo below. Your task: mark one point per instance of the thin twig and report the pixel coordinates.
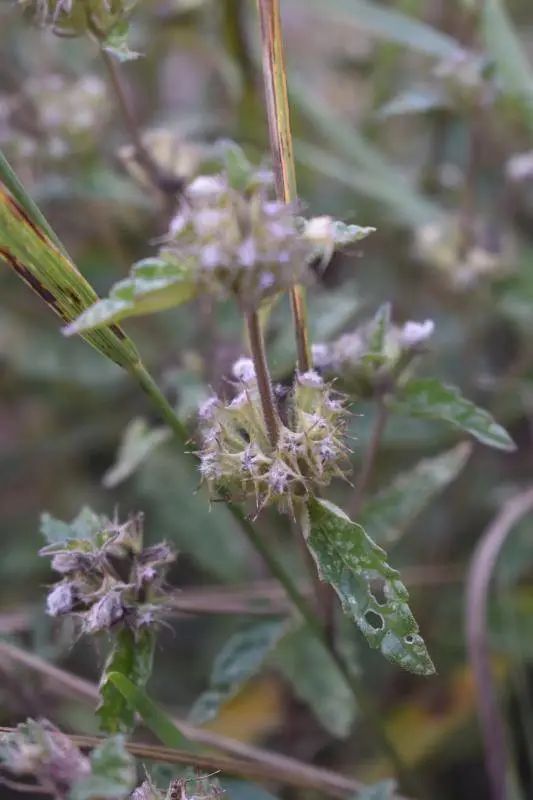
(264, 383)
(482, 568)
(26, 788)
(284, 768)
(279, 127)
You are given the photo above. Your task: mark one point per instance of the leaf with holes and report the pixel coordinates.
(240, 659)
(132, 656)
(154, 285)
(353, 564)
(430, 399)
(386, 515)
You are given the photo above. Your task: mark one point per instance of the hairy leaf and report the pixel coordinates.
(46, 269)
(239, 660)
(431, 399)
(387, 515)
(139, 440)
(316, 680)
(512, 63)
(84, 526)
(154, 718)
(112, 775)
(131, 656)
(154, 285)
(390, 25)
(356, 568)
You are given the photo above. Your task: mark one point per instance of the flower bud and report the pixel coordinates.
(105, 613)
(60, 600)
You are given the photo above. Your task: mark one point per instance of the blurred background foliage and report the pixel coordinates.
(413, 117)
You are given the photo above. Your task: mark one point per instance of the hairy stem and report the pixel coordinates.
(264, 383)
(279, 127)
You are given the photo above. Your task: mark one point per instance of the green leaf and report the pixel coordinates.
(27, 248)
(503, 44)
(154, 718)
(415, 101)
(84, 526)
(240, 659)
(430, 399)
(154, 285)
(116, 42)
(387, 515)
(356, 567)
(316, 680)
(390, 25)
(112, 775)
(236, 166)
(379, 791)
(131, 656)
(138, 442)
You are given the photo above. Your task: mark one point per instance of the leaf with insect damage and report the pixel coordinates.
(356, 568)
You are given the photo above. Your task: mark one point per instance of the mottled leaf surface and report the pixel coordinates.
(239, 660)
(356, 567)
(153, 285)
(316, 680)
(387, 514)
(431, 399)
(131, 656)
(138, 441)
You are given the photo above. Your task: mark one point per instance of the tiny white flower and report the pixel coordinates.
(310, 378)
(320, 229)
(208, 407)
(244, 370)
(206, 186)
(415, 333)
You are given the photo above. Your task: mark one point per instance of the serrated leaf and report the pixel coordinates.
(154, 285)
(112, 775)
(131, 656)
(116, 42)
(506, 49)
(84, 526)
(154, 717)
(239, 660)
(386, 515)
(355, 566)
(45, 267)
(138, 441)
(316, 680)
(430, 399)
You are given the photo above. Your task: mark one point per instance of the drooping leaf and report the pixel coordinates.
(505, 47)
(387, 515)
(154, 718)
(431, 399)
(357, 568)
(415, 101)
(116, 42)
(390, 25)
(316, 680)
(112, 775)
(46, 269)
(138, 441)
(239, 660)
(131, 656)
(154, 285)
(84, 526)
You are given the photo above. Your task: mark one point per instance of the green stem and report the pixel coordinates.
(279, 126)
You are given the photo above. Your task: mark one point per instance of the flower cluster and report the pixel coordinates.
(485, 258)
(109, 579)
(53, 117)
(237, 459)
(42, 751)
(74, 17)
(239, 243)
(366, 359)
